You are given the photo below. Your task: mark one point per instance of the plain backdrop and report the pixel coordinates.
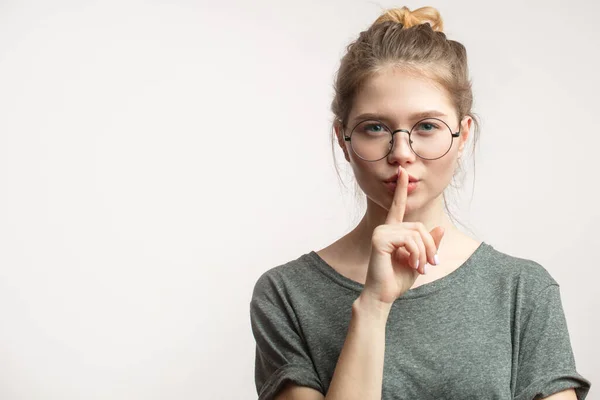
(156, 157)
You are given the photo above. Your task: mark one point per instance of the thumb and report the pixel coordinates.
(437, 234)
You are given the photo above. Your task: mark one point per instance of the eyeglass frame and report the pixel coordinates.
(452, 134)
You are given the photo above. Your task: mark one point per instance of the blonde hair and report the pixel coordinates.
(411, 18)
(415, 42)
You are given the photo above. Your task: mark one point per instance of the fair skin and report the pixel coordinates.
(396, 96)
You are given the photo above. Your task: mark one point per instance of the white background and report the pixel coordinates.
(156, 157)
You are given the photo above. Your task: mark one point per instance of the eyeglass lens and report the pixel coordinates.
(430, 139)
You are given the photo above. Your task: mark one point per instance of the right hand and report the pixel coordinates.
(396, 248)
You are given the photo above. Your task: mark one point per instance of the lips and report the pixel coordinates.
(395, 179)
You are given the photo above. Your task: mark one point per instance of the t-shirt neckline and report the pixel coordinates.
(420, 291)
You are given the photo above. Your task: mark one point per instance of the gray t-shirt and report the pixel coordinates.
(492, 329)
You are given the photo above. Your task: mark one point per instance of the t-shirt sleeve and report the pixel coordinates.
(546, 363)
(281, 352)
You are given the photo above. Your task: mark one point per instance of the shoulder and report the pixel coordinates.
(523, 272)
(282, 277)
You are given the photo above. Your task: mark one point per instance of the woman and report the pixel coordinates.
(406, 306)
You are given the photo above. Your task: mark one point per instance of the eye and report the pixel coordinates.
(428, 126)
(374, 127)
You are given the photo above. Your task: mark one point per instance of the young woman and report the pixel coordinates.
(406, 306)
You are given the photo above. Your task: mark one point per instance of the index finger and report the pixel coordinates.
(396, 211)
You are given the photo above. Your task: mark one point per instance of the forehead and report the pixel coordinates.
(398, 94)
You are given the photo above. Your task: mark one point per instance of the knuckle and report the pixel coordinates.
(380, 233)
(380, 229)
(377, 236)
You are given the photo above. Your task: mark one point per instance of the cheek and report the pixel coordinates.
(441, 171)
(361, 171)
(364, 173)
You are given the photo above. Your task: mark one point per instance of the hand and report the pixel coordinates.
(397, 247)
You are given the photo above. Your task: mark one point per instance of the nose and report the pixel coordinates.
(401, 149)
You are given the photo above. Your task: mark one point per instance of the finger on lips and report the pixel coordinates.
(398, 207)
(423, 248)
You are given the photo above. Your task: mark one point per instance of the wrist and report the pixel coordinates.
(369, 305)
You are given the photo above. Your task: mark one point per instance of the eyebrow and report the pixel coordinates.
(412, 117)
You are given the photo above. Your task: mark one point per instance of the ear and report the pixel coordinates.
(340, 137)
(465, 130)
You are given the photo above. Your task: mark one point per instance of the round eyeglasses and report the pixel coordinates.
(430, 139)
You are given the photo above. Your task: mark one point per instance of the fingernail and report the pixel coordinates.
(425, 269)
(436, 259)
(418, 261)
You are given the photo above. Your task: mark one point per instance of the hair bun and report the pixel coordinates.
(409, 18)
